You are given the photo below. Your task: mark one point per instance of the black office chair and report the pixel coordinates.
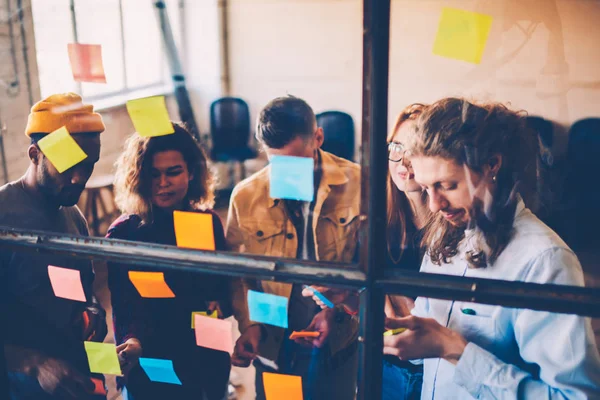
(545, 131)
(338, 128)
(230, 132)
(582, 193)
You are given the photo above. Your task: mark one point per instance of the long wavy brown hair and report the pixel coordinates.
(471, 134)
(133, 177)
(400, 225)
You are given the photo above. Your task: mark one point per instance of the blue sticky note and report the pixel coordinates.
(268, 308)
(292, 178)
(160, 370)
(321, 296)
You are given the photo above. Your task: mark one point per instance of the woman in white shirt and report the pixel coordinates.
(470, 159)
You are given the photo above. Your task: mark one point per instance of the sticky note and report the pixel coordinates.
(86, 62)
(98, 386)
(150, 116)
(320, 296)
(282, 387)
(194, 230)
(151, 284)
(268, 308)
(462, 35)
(292, 178)
(61, 149)
(66, 283)
(392, 332)
(304, 334)
(214, 333)
(159, 370)
(102, 358)
(214, 314)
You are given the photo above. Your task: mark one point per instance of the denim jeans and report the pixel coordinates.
(400, 383)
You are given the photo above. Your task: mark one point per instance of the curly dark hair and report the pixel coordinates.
(133, 179)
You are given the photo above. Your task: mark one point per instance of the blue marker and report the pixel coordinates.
(320, 296)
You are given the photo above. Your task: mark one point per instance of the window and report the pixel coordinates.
(128, 30)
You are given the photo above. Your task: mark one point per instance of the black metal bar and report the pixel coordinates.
(186, 112)
(177, 259)
(376, 36)
(544, 297)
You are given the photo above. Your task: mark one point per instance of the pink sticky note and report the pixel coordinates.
(214, 333)
(86, 62)
(66, 283)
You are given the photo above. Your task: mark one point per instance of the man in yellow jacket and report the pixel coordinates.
(324, 229)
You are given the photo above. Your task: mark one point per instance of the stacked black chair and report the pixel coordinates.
(338, 128)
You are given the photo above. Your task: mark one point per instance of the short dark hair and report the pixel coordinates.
(284, 119)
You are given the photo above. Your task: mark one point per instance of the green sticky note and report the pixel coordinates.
(462, 35)
(102, 358)
(150, 116)
(61, 149)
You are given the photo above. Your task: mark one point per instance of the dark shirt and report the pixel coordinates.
(37, 318)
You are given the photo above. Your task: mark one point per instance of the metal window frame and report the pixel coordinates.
(369, 278)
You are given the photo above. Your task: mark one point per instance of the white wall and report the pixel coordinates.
(313, 49)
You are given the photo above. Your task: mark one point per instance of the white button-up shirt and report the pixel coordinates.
(514, 353)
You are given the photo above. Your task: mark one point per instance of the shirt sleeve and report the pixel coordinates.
(561, 346)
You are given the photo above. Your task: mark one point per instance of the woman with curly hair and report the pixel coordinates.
(156, 176)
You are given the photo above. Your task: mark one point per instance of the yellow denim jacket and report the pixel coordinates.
(258, 224)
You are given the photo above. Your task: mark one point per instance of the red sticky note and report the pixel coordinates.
(213, 333)
(151, 284)
(66, 283)
(86, 62)
(194, 230)
(282, 387)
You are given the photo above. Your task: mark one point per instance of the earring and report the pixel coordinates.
(494, 178)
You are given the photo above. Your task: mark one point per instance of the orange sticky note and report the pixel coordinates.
(98, 386)
(304, 334)
(214, 333)
(66, 283)
(150, 116)
(61, 149)
(282, 387)
(194, 230)
(214, 314)
(151, 284)
(86, 62)
(462, 35)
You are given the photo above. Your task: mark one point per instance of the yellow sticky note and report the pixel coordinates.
(282, 387)
(194, 230)
(150, 116)
(393, 331)
(61, 149)
(214, 314)
(151, 284)
(102, 358)
(462, 35)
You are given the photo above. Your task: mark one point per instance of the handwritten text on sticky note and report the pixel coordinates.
(292, 178)
(86, 62)
(66, 283)
(150, 116)
(151, 284)
(282, 387)
(214, 333)
(102, 358)
(268, 308)
(462, 35)
(61, 149)
(194, 230)
(160, 370)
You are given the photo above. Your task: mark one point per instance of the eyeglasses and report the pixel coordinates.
(396, 151)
